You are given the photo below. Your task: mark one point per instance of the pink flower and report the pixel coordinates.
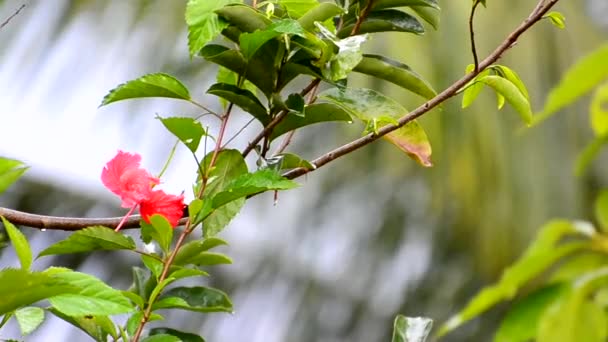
(124, 177)
(170, 206)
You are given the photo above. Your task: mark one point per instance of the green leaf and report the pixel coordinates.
(188, 130)
(250, 184)
(29, 318)
(473, 88)
(183, 336)
(22, 247)
(380, 4)
(203, 23)
(390, 20)
(153, 264)
(588, 154)
(243, 98)
(207, 259)
(286, 161)
(601, 210)
(194, 248)
(557, 19)
(513, 77)
(20, 288)
(199, 299)
(512, 94)
(599, 111)
(98, 327)
(430, 15)
(322, 12)
(578, 80)
(377, 110)
(10, 171)
(159, 230)
(314, 113)
(577, 265)
(295, 102)
(297, 8)
(522, 321)
(135, 320)
(348, 57)
(244, 17)
(162, 338)
(183, 272)
(539, 256)
(94, 297)
(151, 85)
(249, 43)
(228, 166)
(395, 72)
(95, 238)
(135, 298)
(411, 329)
(227, 76)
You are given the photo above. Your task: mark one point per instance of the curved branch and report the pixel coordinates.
(72, 223)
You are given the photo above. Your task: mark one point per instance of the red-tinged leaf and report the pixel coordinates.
(412, 140)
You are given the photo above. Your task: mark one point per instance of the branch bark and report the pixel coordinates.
(72, 223)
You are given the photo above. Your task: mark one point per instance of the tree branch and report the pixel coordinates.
(72, 223)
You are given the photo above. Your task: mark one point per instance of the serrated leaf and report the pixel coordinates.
(182, 336)
(243, 98)
(250, 184)
(314, 113)
(203, 23)
(228, 166)
(557, 19)
(599, 111)
(10, 171)
(578, 80)
(29, 318)
(540, 255)
(522, 321)
(20, 288)
(151, 85)
(22, 247)
(396, 73)
(188, 130)
(98, 327)
(95, 238)
(183, 272)
(199, 299)
(390, 20)
(512, 94)
(377, 110)
(93, 297)
(159, 229)
(411, 329)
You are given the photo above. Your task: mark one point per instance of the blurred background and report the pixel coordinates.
(366, 237)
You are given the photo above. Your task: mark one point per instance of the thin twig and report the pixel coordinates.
(209, 111)
(12, 16)
(72, 223)
(239, 132)
(472, 35)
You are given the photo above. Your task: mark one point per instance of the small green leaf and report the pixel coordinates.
(512, 94)
(188, 130)
(377, 110)
(522, 321)
(182, 336)
(244, 17)
(183, 272)
(95, 238)
(557, 19)
(162, 338)
(207, 259)
(473, 88)
(588, 154)
(94, 297)
(411, 329)
(578, 80)
(601, 210)
(151, 85)
(203, 23)
(22, 247)
(153, 264)
(295, 102)
(541, 254)
(380, 4)
(250, 184)
(135, 298)
(348, 57)
(200, 299)
(297, 8)
(29, 318)
(599, 111)
(314, 113)
(322, 12)
(159, 230)
(513, 77)
(20, 288)
(135, 319)
(429, 14)
(191, 249)
(395, 72)
(10, 171)
(389, 20)
(286, 161)
(98, 327)
(228, 166)
(242, 98)
(249, 43)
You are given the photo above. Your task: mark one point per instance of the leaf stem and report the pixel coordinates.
(472, 36)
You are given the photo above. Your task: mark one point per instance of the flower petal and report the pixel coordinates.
(170, 206)
(123, 176)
